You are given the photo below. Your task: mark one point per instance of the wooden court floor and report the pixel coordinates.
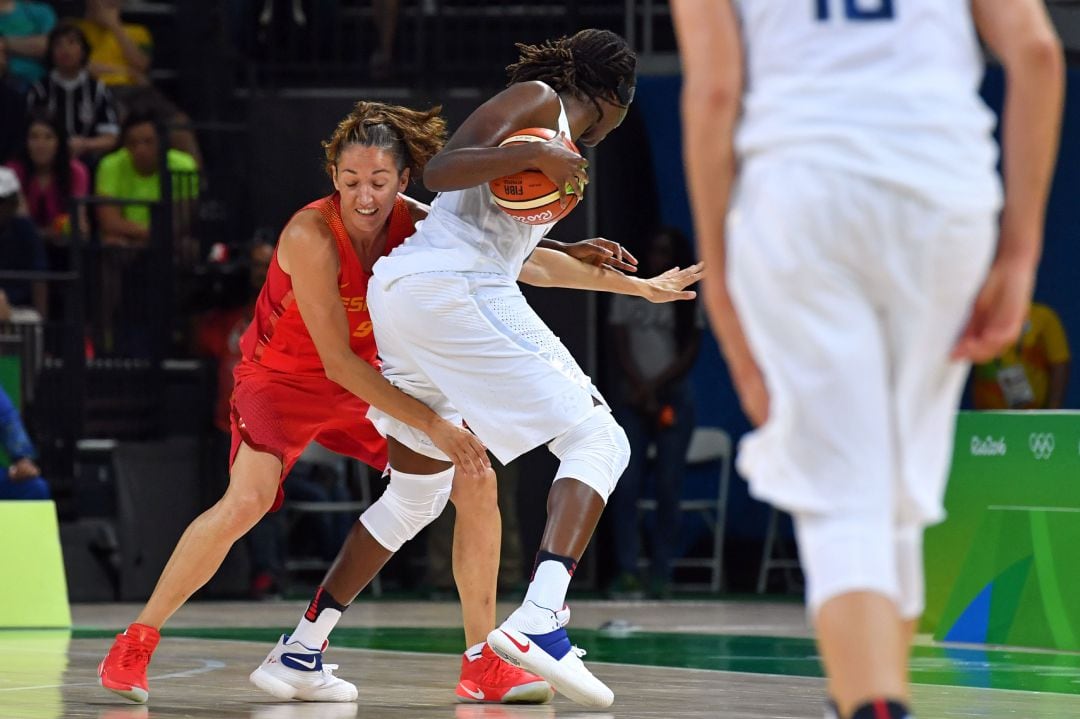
(664, 660)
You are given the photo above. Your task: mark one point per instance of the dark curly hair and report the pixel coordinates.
(593, 64)
(412, 136)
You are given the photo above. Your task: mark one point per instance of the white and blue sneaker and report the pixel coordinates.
(535, 639)
(293, 671)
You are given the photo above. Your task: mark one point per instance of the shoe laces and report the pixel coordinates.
(329, 669)
(578, 651)
(132, 653)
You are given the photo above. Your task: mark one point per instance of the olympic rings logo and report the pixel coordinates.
(1041, 444)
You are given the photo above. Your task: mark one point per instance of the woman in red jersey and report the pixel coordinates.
(309, 356)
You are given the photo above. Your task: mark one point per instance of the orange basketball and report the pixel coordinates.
(529, 196)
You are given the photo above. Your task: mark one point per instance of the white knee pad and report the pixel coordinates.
(595, 451)
(410, 503)
(846, 554)
(910, 571)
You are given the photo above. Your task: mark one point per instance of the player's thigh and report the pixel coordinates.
(817, 335)
(472, 345)
(349, 432)
(948, 267)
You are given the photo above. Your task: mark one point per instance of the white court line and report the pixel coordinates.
(209, 665)
(1022, 508)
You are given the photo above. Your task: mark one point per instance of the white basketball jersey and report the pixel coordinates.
(466, 232)
(884, 88)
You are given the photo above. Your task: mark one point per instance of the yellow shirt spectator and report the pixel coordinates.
(107, 57)
(1030, 375)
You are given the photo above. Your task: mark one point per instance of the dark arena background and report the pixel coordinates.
(113, 362)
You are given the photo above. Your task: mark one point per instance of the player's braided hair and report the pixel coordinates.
(590, 63)
(412, 136)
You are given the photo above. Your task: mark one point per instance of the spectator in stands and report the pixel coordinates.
(84, 105)
(12, 108)
(50, 177)
(26, 26)
(120, 56)
(120, 52)
(655, 347)
(23, 479)
(1032, 374)
(131, 173)
(21, 248)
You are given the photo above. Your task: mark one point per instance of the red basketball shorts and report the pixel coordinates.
(281, 413)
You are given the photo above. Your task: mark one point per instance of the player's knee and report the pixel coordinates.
(242, 509)
(841, 554)
(595, 452)
(410, 503)
(477, 493)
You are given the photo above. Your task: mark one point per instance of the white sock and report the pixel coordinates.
(548, 586)
(473, 653)
(313, 634)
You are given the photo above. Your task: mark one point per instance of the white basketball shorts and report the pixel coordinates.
(470, 347)
(852, 295)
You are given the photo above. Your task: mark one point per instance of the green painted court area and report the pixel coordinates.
(1055, 672)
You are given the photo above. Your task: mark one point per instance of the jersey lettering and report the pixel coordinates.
(354, 304)
(857, 10)
(363, 329)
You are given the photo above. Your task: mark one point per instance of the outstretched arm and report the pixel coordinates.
(551, 268)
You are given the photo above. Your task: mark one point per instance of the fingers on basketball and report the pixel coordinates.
(530, 197)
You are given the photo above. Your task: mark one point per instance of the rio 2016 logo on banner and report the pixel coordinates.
(988, 446)
(1041, 444)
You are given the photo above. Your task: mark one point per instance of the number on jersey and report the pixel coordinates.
(857, 10)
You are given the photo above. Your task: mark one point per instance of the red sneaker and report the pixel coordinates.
(123, 670)
(491, 680)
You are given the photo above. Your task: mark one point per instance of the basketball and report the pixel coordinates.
(529, 196)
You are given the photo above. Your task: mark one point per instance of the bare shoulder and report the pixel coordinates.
(523, 104)
(533, 89)
(529, 97)
(306, 236)
(417, 210)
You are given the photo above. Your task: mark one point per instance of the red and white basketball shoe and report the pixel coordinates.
(535, 639)
(123, 670)
(491, 680)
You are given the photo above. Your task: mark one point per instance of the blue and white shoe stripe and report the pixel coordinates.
(556, 643)
(303, 662)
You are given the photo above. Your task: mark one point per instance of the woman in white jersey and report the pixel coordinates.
(455, 332)
(856, 275)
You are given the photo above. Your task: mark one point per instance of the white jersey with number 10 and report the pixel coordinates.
(883, 88)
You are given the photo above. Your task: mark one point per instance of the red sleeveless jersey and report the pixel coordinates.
(277, 338)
